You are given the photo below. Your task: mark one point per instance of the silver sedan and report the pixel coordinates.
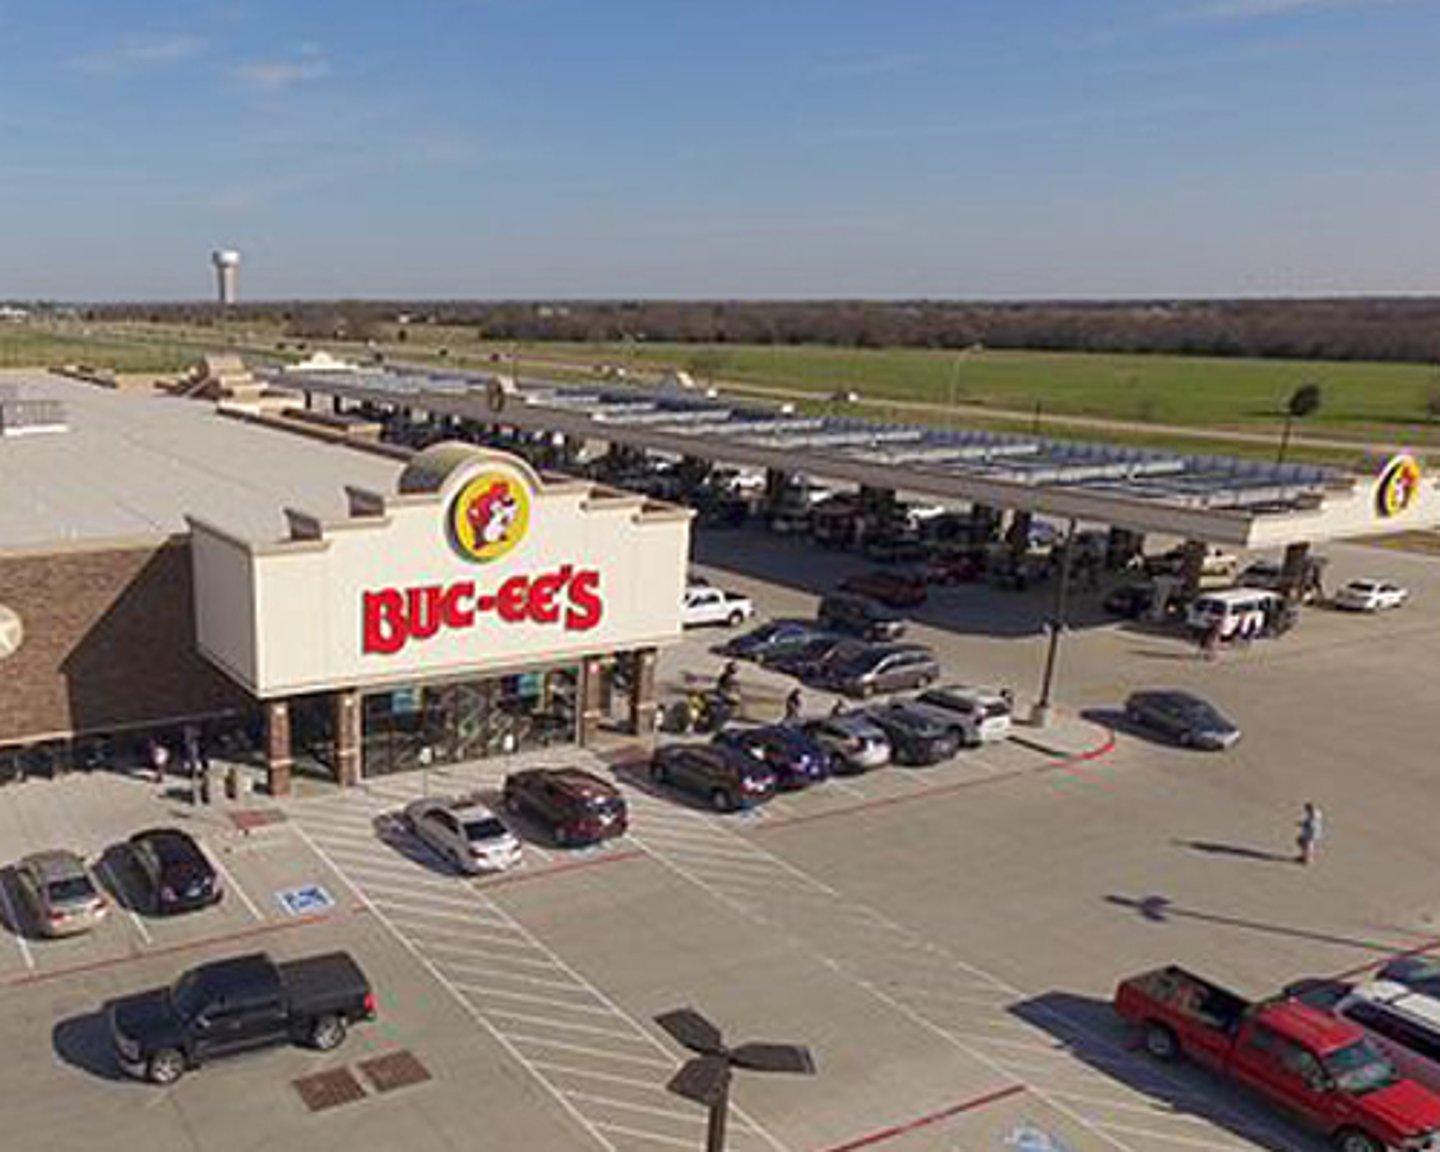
(60, 892)
(464, 831)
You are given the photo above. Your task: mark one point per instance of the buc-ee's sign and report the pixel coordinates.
(487, 519)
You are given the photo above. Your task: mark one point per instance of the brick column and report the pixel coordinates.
(591, 711)
(642, 693)
(347, 737)
(278, 759)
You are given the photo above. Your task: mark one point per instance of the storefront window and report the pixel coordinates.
(312, 735)
(431, 725)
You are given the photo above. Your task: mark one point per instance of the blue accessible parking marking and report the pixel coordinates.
(307, 900)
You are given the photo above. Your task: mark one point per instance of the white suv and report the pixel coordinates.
(706, 604)
(980, 715)
(1405, 1023)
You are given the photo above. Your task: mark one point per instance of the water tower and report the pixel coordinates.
(227, 273)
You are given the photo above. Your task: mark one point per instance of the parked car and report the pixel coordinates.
(896, 549)
(60, 893)
(463, 831)
(1216, 563)
(855, 742)
(1404, 1023)
(978, 715)
(1234, 613)
(808, 660)
(230, 1006)
(1270, 576)
(896, 589)
(1132, 601)
(796, 759)
(915, 737)
(1321, 1070)
(178, 876)
(706, 604)
(728, 778)
(1182, 717)
(954, 568)
(575, 806)
(1370, 596)
(881, 668)
(770, 638)
(1418, 973)
(847, 612)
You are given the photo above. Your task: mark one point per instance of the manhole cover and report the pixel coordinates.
(329, 1089)
(249, 818)
(397, 1070)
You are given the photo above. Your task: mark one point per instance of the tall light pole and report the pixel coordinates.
(1041, 715)
(706, 1078)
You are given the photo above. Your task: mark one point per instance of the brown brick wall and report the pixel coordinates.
(109, 643)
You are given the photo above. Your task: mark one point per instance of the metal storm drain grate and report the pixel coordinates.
(248, 818)
(323, 1090)
(397, 1070)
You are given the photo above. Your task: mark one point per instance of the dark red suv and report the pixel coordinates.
(896, 589)
(575, 806)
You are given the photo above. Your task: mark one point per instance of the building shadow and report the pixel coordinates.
(1088, 1030)
(83, 1042)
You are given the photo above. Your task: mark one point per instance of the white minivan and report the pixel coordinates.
(1405, 1023)
(1240, 613)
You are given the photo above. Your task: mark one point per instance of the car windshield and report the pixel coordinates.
(1201, 713)
(1360, 1068)
(187, 995)
(598, 802)
(72, 888)
(485, 828)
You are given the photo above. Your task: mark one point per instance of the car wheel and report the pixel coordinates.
(735, 619)
(327, 1032)
(165, 1067)
(1160, 1042)
(720, 801)
(1353, 1140)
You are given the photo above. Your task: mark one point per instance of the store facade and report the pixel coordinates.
(478, 610)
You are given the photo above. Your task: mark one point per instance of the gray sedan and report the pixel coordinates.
(60, 892)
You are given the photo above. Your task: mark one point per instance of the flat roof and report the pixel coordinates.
(133, 465)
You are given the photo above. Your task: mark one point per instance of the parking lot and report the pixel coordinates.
(945, 939)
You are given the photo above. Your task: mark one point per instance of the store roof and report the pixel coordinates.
(129, 465)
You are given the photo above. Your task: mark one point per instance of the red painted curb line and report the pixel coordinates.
(169, 949)
(926, 1121)
(1400, 954)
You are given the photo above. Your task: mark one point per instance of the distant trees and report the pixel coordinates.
(1304, 401)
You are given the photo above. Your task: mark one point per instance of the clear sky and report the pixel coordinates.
(743, 148)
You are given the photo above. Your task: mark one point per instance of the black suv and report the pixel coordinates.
(577, 807)
(178, 876)
(866, 618)
(728, 778)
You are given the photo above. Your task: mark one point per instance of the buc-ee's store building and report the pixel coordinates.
(476, 609)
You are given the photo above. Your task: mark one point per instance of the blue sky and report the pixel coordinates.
(501, 148)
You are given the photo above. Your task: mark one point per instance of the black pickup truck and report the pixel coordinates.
(235, 1005)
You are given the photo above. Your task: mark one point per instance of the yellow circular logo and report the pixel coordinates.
(1399, 485)
(489, 516)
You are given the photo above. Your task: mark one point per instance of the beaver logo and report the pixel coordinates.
(489, 516)
(1399, 485)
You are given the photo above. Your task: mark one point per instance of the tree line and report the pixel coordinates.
(1359, 328)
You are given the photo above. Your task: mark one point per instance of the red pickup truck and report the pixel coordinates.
(1319, 1068)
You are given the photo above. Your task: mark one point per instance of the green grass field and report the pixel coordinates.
(32, 346)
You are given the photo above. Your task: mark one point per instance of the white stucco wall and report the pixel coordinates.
(306, 607)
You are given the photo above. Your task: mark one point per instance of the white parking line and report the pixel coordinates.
(15, 929)
(234, 886)
(491, 973)
(504, 994)
(599, 1053)
(656, 1085)
(636, 1134)
(611, 1102)
(570, 1026)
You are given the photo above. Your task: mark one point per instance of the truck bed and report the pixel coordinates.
(325, 983)
(1184, 994)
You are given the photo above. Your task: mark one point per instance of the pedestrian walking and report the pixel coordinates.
(794, 705)
(1210, 641)
(1311, 829)
(839, 708)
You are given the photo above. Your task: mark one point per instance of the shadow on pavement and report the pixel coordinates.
(1161, 910)
(120, 876)
(83, 1042)
(1088, 1030)
(14, 911)
(1240, 851)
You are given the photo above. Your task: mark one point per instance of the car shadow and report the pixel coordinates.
(15, 913)
(1088, 1030)
(120, 876)
(83, 1042)
(391, 831)
(1116, 720)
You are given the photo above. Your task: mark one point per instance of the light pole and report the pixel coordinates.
(706, 1078)
(1041, 715)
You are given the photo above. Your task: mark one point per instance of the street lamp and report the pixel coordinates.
(1041, 715)
(706, 1078)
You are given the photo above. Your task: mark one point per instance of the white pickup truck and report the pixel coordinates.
(706, 604)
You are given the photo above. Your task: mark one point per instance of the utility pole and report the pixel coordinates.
(1041, 715)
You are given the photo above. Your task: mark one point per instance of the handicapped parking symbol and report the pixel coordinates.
(307, 900)
(1029, 1138)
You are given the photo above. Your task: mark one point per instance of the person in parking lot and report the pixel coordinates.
(728, 683)
(794, 705)
(1312, 828)
(840, 707)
